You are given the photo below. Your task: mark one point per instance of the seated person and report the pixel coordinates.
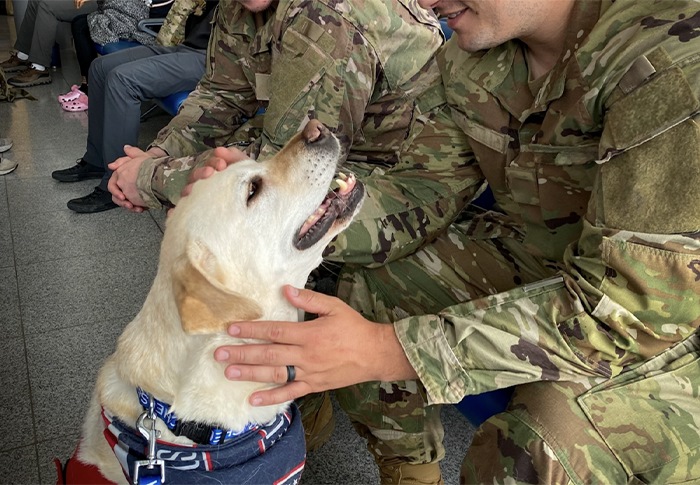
(582, 291)
(367, 70)
(36, 38)
(121, 23)
(121, 80)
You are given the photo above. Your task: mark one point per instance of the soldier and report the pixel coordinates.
(581, 288)
(368, 72)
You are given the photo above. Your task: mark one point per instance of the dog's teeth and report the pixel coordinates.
(343, 176)
(343, 185)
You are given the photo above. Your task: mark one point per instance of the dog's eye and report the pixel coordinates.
(253, 189)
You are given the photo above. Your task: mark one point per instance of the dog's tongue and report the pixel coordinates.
(314, 218)
(345, 185)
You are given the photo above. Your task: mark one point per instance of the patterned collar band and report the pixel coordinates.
(200, 433)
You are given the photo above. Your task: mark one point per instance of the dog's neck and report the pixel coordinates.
(156, 354)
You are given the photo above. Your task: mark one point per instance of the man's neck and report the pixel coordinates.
(544, 47)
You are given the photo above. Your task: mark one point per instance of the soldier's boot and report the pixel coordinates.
(318, 420)
(394, 472)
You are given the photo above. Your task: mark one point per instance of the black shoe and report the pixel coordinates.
(80, 171)
(99, 200)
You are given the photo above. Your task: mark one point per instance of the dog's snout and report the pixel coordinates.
(315, 131)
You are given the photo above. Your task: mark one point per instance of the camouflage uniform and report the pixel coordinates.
(369, 73)
(172, 32)
(583, 288)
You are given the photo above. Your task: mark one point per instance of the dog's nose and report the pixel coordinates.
(315, 131)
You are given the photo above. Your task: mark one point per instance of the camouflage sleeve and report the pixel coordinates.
(150, 185)
(409, 203)
(187, 134)
(631, 286)
(221, 101)
(172, 32)
(161, 180)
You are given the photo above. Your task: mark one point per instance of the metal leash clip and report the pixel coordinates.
(151, 434)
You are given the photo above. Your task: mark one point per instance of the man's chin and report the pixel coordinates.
(257, 5)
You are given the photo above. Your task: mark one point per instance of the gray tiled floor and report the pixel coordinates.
(70, 282)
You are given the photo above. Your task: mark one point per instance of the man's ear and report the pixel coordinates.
(204, 303)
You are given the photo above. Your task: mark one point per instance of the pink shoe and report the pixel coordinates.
(78, 104)
(70, 95)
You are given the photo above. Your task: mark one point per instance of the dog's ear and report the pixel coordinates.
(204, 304)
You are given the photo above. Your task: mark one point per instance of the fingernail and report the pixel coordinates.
(256, 401)
(221, 355)
(294, 291)
(234, 330)
(233, 373)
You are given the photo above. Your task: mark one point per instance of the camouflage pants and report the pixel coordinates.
(394, 416)
(553, 432)
(639, 427)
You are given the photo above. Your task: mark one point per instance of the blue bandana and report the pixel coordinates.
(247, 458)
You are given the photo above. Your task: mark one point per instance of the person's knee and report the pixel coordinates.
(505, 448)
(99, 69)
(122, 82)
(395, 419)
(48, 7)
(543, 437)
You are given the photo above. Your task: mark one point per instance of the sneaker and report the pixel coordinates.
(5, 144)
(7, 166)
(99, 200)
(80, 171)
(14, 64)
(30, 77)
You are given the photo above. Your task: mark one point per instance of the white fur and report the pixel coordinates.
(238, 247)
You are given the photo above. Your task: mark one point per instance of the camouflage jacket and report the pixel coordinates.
(597, 167)
(172, 32)
(369, 73)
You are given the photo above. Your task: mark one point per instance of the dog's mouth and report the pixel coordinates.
(338, 205)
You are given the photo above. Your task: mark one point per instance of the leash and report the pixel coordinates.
(150, 464)
(151, 471)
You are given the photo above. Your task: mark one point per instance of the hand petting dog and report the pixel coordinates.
(220, 158)
(337, 349)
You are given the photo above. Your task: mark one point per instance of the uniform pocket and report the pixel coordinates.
(650, 416)
(650, 176)
(552, 185)
(226, 70)
(558, 180)
(655, 285)
(297, 73)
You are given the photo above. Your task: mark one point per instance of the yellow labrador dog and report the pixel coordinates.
(227, 250)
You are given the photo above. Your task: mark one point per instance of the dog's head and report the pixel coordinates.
(246, 231)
